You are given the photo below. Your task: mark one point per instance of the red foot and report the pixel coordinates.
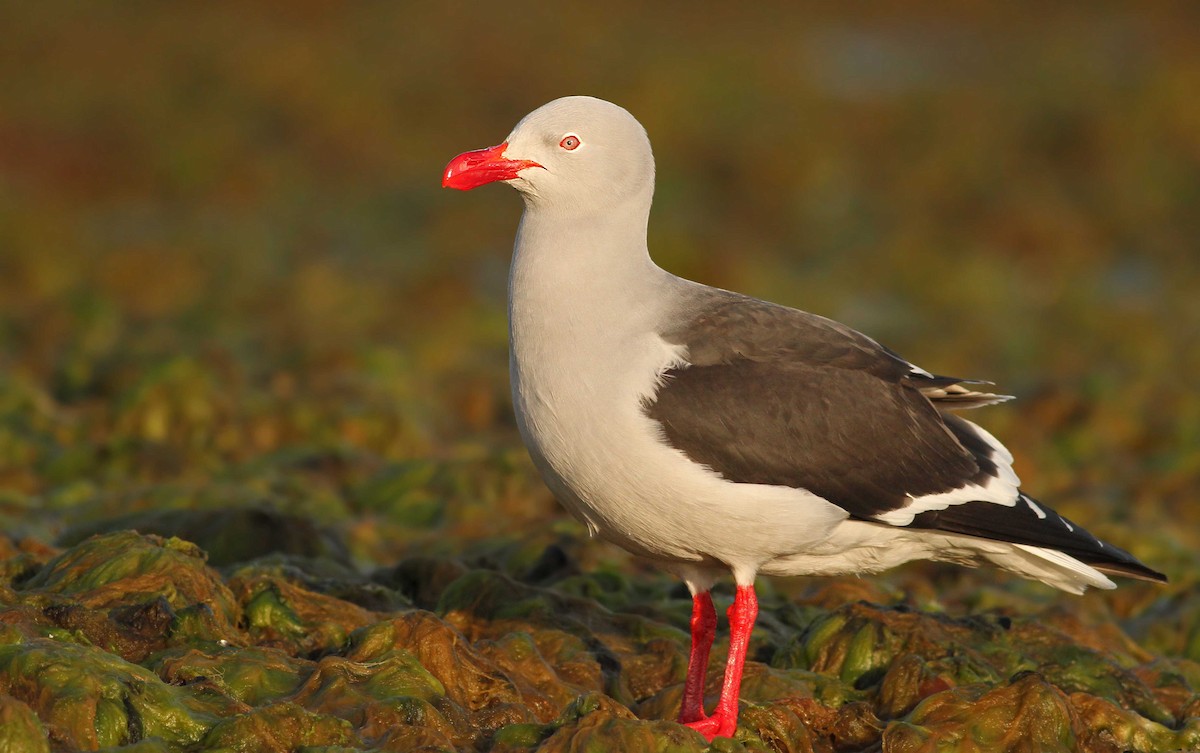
(717, 725)
(723, 722)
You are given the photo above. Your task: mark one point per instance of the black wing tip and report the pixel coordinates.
(1036, 524)
(1134, 570)
(1113, 560)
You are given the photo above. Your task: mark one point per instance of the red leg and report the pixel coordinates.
(742, 614)
(704, 627)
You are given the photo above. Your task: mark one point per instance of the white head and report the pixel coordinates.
(576, 154)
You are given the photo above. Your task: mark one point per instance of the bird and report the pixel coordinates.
(717, 434)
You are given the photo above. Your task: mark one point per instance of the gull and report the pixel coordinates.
(714, 433)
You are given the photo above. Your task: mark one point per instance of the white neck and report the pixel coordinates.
(574, 274)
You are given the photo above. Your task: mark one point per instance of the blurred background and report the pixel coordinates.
(228, 275)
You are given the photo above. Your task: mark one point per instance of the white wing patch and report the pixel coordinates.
(917, 370)
(1037, 509)
(1002, 489)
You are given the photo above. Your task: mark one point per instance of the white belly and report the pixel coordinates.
(580, 412)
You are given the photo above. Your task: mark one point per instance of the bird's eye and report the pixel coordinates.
(570, 142)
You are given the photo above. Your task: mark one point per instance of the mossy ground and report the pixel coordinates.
(259, 483)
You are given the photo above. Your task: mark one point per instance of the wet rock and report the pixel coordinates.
(1105, 726)
(909, 679)
(134, 594)
(379, 697)
(242, 677)
(280, 611)
(280, 728)
(20, 558)
(20, 728)
(421, 579)
(228, 535)
(89, 698)
(1027, 714)
(151, 745)
(470, 675)
(595, 722)
(281, 651)
(779, 728)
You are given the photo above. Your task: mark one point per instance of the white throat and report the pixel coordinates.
(578, 276)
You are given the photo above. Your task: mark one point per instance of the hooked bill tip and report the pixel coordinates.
(482, 166)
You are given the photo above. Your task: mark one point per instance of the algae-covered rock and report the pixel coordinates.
(1028, 714)
(859, 642)
(588, 645)
(278, 610)
(89, 698)
(1106, 726)
(105, 568)
(249, 676)
(469, 679)
(422, 579)
(525, 651)
(280, 728)
(847, 726)
(135, 594)
(20, 728)
(227, 535)
(908, 680)
(593, 722)
(149, 745)
(779, 728)
(281, 651)
(381, 697)
(599, 733)
(20, 558)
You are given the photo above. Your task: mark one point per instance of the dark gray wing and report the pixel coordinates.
(773, 395)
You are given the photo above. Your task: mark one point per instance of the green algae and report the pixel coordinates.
(227, 534)
(280, 609)
(1028, 714)
(381, 697)
(1104, 723)
(141, 658)
(93, 698)
(92, 565)
(270, 616)
(20, 727)
(133, 595)
(149, 745)
(594, 723)
(279, 728)
(251, 676)
(600, 734)
(521, 736)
